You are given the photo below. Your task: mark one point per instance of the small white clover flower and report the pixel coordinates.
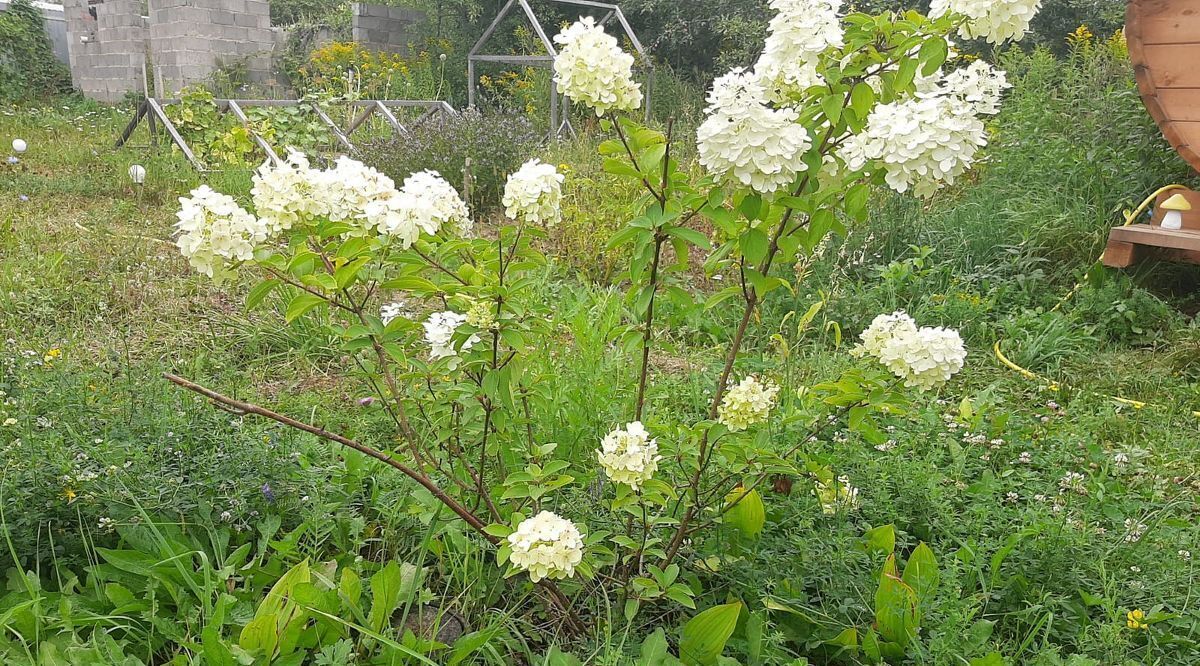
(534, 194)
(629, 456)
(747, 404)
(746, 142)
(592, 70)
(546, 546)
(996, 21)
(214, 232)
(799, 33)
(836, 496)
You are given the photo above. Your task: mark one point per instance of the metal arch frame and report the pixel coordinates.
(152, 109)
(557, 101)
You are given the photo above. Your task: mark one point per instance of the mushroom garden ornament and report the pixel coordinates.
(1175, 207)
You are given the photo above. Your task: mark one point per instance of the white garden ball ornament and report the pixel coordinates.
(137, 173)
(19, 145)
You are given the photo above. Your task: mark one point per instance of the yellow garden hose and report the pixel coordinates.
(1051, 385)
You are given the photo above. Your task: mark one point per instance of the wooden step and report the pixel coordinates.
(1130, 244)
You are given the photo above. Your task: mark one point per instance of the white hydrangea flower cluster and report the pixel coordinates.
(881, 331)
(933, 138)
(836, 496)
(389, 312)
(745, 141)
(996, 21)
(980, 85)
(747, 404)
(592, 70)
(426, 202)
(350, 187)
(482, 315)
(439, 333)
(629, 456)
(797, 36)
(289, 193)
(214, 231)
(547, 546)
(533, 194)
(925, 358)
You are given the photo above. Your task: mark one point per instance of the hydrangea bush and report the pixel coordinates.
(838, 103)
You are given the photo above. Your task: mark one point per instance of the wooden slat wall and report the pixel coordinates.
(1164, 44)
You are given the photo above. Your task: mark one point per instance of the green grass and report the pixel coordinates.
(1036, 568)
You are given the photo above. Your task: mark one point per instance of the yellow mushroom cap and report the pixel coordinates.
(1177, 202)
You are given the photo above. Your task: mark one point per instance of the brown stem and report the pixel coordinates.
(557, 597)
(648, 326)
(249, 408)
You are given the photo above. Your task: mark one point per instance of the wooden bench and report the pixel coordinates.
(1130, 244)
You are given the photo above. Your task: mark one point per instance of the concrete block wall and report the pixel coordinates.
(192, 39)
(385, 28)
(106, 45)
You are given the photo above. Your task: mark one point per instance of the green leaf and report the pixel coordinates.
(856, 202)
(881, 539)
(654, 650)
(748, 515)
(260, 292)
(302, 303)
(704, 636)
(621, 168)
(862, 98)
(411, 283)
(690, 235)
(754, 245)
(385, 595)
(650, 160)
(921, 574)
(831, 105)
(346, 274)
(932, 55)
(895, 606)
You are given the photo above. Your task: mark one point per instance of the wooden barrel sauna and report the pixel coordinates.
(1164, 45)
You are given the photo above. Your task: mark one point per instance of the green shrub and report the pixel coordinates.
(28, 67)
(1120, 312)
(496, 144)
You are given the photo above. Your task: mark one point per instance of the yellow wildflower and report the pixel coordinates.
(69, 494)
(1135, 619)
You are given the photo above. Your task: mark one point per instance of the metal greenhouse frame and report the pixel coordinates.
(559, 120)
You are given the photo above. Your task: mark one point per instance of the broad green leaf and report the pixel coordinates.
(704, 636)
(754, 245)
(385, 595)
(748, 515)
(653, 651)
(302, 303)
(881, 539)
(621, 168)
(260, 292)
(895, 606)
(921, 574)
(690, 235)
